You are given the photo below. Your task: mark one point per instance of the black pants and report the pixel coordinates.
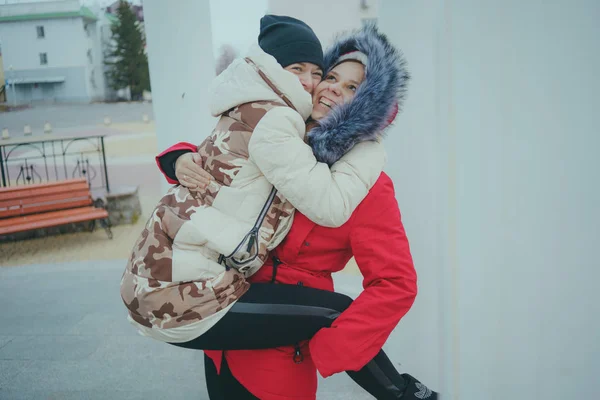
(270, 315)
(223, 386)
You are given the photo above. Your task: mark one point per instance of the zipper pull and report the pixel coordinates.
(298, 357)
(223, 262)
(253, 234)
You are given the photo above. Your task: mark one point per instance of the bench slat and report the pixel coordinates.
(43, 191)
(48, 215)
(40, 185)
(42, 208)
(57, 206)
(21, 226)
(49, 198)
(10, 212)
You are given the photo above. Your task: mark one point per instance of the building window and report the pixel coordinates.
(43, 58)
(40, 32)
(89, 56)
(86, 28)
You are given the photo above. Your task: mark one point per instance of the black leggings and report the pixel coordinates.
(273, 315)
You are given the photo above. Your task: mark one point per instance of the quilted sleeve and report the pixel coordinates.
(326, 196)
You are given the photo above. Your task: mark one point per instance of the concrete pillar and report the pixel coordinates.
(181, 68)
(413, 164)
(495, 165)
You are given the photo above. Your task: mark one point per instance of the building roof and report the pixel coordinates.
(111, 18)
(83, 12)
(25, 81)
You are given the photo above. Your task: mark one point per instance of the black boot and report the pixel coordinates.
(381, 379)
(415, 390)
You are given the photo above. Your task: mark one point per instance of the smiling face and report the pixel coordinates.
(309, 74)
(338, 87)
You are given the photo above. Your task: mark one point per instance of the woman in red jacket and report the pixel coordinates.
(345, 335)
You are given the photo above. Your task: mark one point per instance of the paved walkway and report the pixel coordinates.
(65, 117)
(64, 335)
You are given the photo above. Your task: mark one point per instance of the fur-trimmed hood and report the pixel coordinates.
(366, 116)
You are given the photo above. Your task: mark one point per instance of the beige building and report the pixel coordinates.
(53, 51)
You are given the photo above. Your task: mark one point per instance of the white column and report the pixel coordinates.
(413, 164)
(495, 158)
(181, 68)
(338, 16)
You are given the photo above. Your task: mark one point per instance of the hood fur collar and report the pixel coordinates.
(366, 116)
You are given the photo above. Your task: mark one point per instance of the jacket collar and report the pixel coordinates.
(240, 83)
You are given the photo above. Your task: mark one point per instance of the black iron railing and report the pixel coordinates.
(31, 160)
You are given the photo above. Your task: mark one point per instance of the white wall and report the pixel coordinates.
(239, 29)
(326, 18)
(181, 69)
(64, 42)
(413, 165)
(495, 161)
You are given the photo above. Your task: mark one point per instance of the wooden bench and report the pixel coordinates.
(45, 205)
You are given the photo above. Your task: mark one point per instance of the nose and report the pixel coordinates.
(307, 82)
(336, 89)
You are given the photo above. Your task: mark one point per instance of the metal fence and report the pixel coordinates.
(26, 161)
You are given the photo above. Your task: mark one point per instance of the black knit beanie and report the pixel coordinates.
(289, 40)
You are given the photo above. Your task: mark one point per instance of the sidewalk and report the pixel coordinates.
(64, 335)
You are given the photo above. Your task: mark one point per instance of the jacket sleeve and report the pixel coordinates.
(166, 159)
(381, 250)
(326, 196)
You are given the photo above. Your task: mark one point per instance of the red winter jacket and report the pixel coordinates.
(375, 236)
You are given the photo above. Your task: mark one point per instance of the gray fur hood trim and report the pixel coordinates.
(366, 116)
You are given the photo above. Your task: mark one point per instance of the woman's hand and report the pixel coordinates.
(189, 171)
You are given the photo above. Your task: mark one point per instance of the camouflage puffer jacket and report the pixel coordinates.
(173, 276)
(175, 286)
